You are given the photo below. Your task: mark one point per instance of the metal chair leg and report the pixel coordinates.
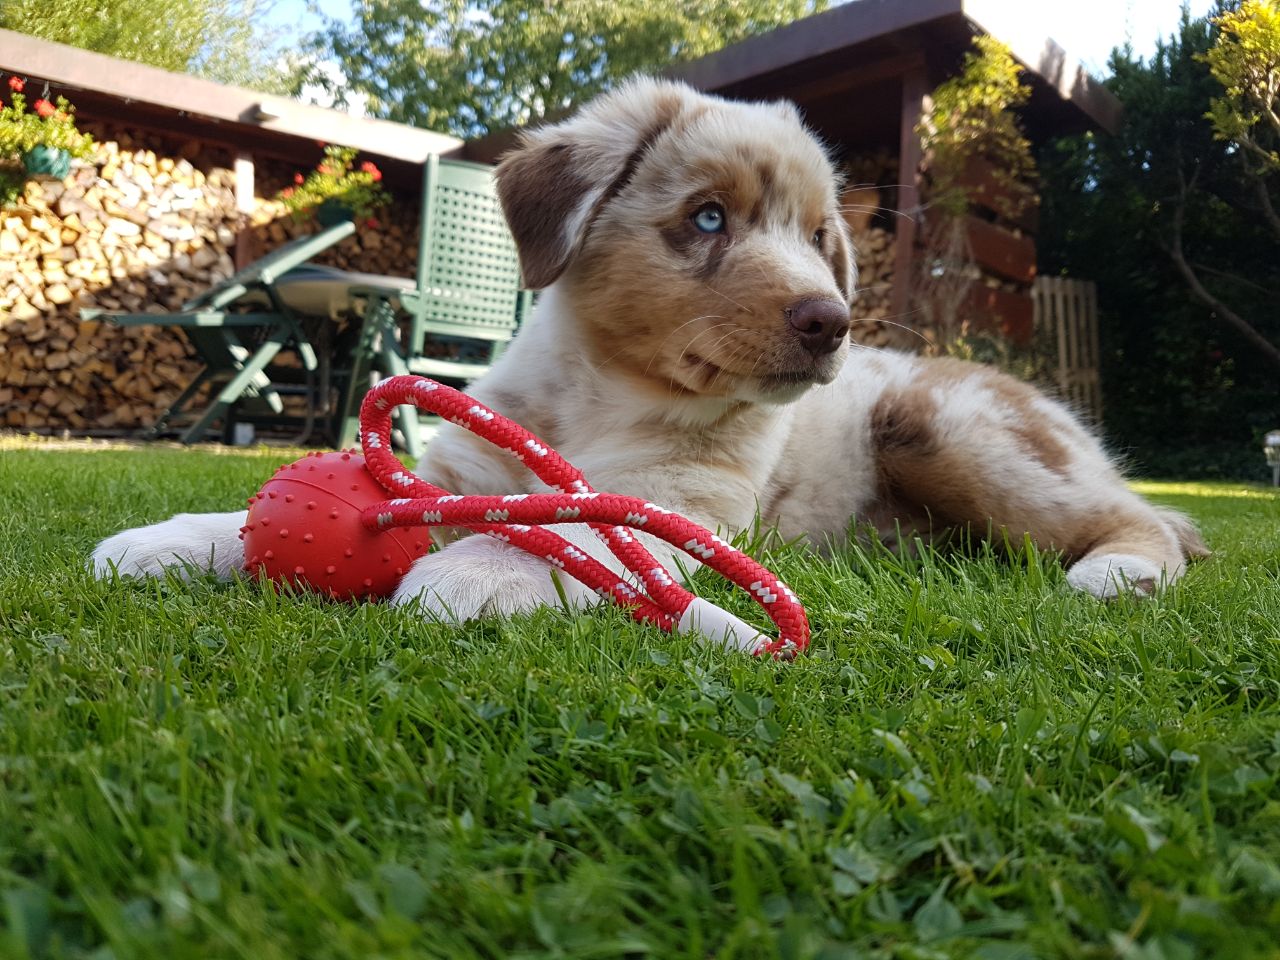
(236, 387)
(363, 356)
(175, 408)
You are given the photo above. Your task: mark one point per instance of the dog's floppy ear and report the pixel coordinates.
(555, 184)
(843, 264)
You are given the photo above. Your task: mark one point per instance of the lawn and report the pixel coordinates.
(972, 762)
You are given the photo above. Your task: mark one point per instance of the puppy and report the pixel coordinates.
(691, 347)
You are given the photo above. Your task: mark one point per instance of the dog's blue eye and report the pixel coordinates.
(709, 218)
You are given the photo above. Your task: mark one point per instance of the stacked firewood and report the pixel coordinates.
(872, 309)
(131, 231)
(869, 204)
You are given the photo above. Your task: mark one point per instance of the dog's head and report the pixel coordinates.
(698, 240)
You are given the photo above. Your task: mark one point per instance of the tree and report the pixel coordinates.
(1246, 61)
(222, 40)
(468, 67)
(1167, 217)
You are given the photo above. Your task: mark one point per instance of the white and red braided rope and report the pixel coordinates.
(519, 519)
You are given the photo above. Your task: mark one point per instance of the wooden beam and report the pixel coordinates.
(858, 75)
(915, 96)
(245, 252)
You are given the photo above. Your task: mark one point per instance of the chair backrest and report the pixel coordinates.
(468, 273)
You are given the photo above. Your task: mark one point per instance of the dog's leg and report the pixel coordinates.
(967, 447)
(188, 542)
(478, 576)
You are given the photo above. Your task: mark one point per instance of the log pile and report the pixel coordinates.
(868, 203)
(874, 248)
(137, 232)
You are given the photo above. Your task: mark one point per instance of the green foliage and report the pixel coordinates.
(1184, 393)
(468, 67)
(974, 117)
(48, 125)
(224, 40)
(1246, 61)
(336, 178)
(973, 762)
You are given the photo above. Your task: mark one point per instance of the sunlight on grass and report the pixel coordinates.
(1237, 491)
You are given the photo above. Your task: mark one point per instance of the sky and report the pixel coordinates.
(1087, 29)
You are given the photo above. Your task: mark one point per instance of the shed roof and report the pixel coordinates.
(858, 45)
(108, 88)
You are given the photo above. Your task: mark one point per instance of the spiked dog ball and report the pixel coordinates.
(305, 527)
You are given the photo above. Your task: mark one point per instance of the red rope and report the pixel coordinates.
(520, 519)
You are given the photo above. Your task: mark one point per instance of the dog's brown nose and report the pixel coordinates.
(820, 324)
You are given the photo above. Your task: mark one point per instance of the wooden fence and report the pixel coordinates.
(1066, 315)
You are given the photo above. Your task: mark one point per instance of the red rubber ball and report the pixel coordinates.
(304, 528)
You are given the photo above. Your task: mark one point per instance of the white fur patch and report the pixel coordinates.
(705, 618)
(200, 542)
(1107, 575)
(477, 576)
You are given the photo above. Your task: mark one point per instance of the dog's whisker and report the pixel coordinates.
(901, 326)
(888, 211)
(720, 293)
(692, 341)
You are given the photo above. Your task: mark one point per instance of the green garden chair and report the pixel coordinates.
(237, 347)
(463, 308)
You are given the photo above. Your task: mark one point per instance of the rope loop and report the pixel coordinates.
(522, 519)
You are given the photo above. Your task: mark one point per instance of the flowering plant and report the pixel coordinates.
(336, 178)
(47, 124)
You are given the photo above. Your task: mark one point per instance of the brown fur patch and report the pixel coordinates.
(1038, 437)
(539, 189)
(917, 477)
(1121, 529)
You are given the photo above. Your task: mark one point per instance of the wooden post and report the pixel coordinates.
(245, 252)
(915, 93)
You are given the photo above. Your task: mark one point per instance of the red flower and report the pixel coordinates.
(323, 168)
(298, 178)
(44, 108)
(372, 224)
(16, 84)
(370, 169)
(287, 192)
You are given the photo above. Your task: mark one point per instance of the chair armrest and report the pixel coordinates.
(267, 269)
(185, 318)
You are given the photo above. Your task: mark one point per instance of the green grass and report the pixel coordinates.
(973, 761)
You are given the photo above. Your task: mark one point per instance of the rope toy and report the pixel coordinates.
(324, 523)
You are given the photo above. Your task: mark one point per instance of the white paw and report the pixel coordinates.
(187, 542)
(720, 626)
(1109, 574)
(477, 576)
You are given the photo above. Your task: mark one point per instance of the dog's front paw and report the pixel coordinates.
(477, 577)
(1107, 575)
(188, 541)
